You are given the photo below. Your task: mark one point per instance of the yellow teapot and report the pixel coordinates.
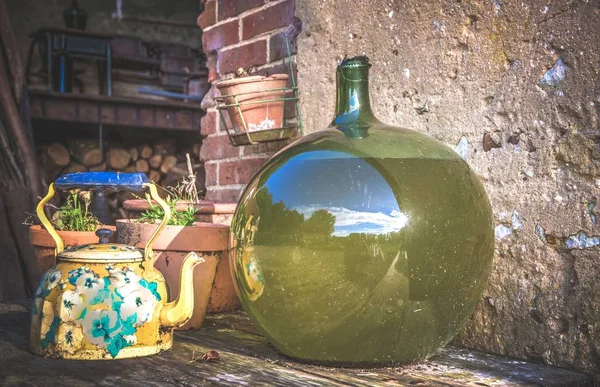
(106, 300)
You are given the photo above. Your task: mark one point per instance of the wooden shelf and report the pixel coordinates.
(119, 111)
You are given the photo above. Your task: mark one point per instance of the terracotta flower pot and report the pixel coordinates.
(43, 244)
(206, 211)
(258, 116)
(172, 245)
(223, 297)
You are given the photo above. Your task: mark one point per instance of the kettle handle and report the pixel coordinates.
(133, 182)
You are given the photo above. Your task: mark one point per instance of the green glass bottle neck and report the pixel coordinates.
(353, 114)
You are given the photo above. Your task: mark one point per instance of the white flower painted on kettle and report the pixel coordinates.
(47, 319)
(130, 339)
(141, 303)
(70, 305)
(75, 274)
(48, 282)
(69, 337)
(101, 326)
(125, 281)
(93, 288)
(53, 278)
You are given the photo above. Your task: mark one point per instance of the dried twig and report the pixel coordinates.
(210, 355)
(187, 189)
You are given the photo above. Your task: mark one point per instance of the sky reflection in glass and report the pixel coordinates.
(350, 188)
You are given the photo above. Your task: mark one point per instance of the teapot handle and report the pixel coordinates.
(133, 182)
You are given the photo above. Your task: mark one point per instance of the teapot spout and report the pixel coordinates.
(176, 313)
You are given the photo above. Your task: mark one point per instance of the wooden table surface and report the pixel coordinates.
(246, 359)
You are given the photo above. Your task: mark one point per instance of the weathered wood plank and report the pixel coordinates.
(452, 367)
(247, 359)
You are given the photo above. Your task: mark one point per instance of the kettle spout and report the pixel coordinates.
(178, 312)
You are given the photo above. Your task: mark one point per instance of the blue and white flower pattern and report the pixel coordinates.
(125, 281)
(101, 326)
(69, 337)
(71, 305)
(93, 288)
(106, 311)
(48, 282)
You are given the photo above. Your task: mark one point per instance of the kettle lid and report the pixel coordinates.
(103, 251)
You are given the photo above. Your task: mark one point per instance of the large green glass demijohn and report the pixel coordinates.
(362, 243)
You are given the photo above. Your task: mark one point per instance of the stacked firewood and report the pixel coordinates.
(162, 162)
(79, 155)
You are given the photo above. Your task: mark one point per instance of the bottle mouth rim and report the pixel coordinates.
(360, 61)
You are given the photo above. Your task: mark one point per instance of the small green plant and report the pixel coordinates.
(185, 191)
(155, 213)
(74, 214)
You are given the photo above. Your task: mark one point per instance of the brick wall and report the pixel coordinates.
(247, 34)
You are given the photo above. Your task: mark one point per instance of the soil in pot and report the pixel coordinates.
(250, 90)
(172, 245)
(44, 246)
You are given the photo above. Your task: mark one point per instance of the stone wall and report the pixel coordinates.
(240, 34)
(514, 87)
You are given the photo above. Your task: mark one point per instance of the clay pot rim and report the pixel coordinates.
(204, 207)
(37, 228)
(202, 236)
(252, 79)
(39, 236)
(172, 227)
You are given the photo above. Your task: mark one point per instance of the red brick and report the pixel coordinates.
(268, 19)
(208, 124)
(216, 148)
(231, 8)
(281, 68)
(211, 63)
(277, 46)
(221, 36)
(224, 195)
(248, 55)
(240, 171)
(208, 17)
(208, 101)
(210, 171)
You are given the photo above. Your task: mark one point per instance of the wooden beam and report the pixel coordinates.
(17, 131)
(125, 112)
(16, 67)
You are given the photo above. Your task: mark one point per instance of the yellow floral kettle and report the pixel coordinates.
(106, 300)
